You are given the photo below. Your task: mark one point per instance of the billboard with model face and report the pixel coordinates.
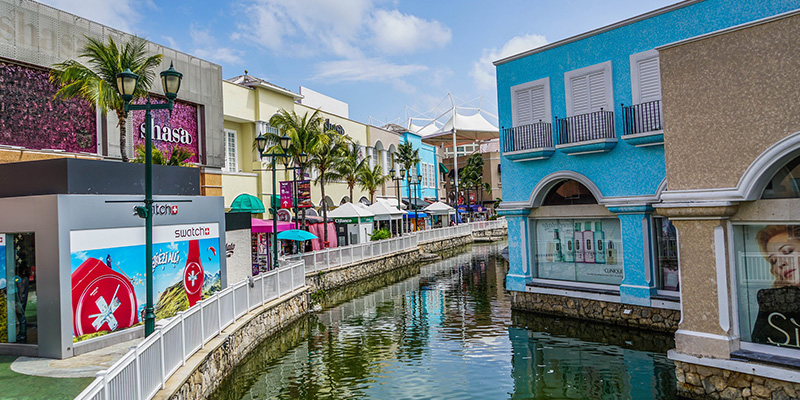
(108, 273)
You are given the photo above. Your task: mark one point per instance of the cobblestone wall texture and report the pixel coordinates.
(444, 244)
(700, 382)
(351, 273)
(491, 232)
(656, 319)
(219, 362)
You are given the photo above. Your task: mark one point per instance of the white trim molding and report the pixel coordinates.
(545, 84)
(548, 182)
(749, 368)
(604, 67)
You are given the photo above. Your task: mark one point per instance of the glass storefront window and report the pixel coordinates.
(768, 284)
(666, 244)
(18, 322)
(579, 250)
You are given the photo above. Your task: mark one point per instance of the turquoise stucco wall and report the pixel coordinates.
(427, 154)
(625, 170)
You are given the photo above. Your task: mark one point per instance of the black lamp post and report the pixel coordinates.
(397, 180)
(261, 144)
(126, 85)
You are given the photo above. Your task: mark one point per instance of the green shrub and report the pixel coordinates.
(380, 234)
(492, 217)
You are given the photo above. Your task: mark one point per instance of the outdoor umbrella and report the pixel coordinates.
(297, 235)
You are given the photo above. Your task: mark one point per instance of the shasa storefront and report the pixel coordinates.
(72, 264)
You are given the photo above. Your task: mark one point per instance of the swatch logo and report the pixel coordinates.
(195, 232)
(165, 209)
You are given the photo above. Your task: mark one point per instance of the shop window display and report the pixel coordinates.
(666, 258)
(579, 250)
(18, 317)
(768, 284)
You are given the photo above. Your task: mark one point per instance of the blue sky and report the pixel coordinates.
(379, 56)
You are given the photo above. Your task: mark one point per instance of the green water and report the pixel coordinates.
(448, 333)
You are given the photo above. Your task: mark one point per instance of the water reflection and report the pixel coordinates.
(448, 333)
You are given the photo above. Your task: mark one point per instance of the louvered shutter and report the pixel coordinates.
(597, 91)
(581, 102)
(649, 80)
(524, 107)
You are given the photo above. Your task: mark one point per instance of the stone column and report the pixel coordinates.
(705, 250)
(519, 272)
(637, 255)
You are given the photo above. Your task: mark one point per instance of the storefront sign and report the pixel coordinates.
(333, 127)
(168, 132)
(286, 194)
(2, 262)
(304, 194)
(108, 276)
(768, 265)
(350, 220)
(367, 219)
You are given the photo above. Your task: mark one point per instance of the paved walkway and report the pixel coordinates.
(43, 378)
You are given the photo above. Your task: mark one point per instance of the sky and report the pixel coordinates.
(388, 59)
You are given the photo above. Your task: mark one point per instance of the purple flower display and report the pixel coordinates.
(180, 130)
(31, 117)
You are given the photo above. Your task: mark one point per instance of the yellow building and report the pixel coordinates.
(248, 105)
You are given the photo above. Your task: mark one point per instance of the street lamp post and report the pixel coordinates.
(126, 85)
(261, 144)
(397, 180)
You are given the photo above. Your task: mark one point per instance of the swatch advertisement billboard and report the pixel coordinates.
(108, 273)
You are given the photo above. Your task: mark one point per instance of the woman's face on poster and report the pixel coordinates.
(783, 254)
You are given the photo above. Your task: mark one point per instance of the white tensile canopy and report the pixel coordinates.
(423, 130)
(439, 208)
(462, 129)
(384, 212)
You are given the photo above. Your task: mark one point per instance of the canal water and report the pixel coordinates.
(448, 332)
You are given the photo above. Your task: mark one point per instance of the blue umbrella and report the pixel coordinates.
(296, 234)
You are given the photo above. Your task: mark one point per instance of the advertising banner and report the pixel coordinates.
(169, 130)
(2, 261)
(580, 250)
(768, 280)
(304, 194)
(108, 273)
(286, 194)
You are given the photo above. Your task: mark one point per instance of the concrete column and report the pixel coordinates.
(705, 250)
(519, 273)
(638, 283)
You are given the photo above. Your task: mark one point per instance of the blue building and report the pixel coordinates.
(583, 161)
(427, 169)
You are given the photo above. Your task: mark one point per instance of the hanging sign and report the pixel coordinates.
(286, 194)
(304, 194)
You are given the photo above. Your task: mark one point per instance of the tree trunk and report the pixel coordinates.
(351, 193)
(123, 140)
(372, 196)
(324, 211)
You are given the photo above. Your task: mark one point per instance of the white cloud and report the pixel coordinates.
(371, 70)
(395, 32)
(171, 42)
(483, 72)
(208, 49)
(118, 14)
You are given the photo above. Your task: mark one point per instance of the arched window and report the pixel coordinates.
(785, 184)
(569, 192)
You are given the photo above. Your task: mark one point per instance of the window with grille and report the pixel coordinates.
(231, 163)
(530, 102)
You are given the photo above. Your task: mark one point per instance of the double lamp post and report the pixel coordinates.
(126, 84)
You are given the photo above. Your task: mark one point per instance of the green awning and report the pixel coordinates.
(443, 169)
(247, 203)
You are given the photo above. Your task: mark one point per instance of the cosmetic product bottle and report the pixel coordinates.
(599, 239)
(569, 251)
(588, 240)
(611, 251)
(558, 254)
(549, 250)
(578, 241)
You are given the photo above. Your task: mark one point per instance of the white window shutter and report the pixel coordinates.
(538, 104)
(524, 107)
(581, 101)
(649, 80)
(597, 91)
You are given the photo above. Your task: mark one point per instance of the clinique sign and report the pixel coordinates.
(167, 134)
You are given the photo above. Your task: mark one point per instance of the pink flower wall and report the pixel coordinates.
(30, 117)
(180, 130)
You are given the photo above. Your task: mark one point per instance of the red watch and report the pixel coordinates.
(193, 274)
(102, 299)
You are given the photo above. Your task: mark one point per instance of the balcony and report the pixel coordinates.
(528, 142)
(586, 133)
(644, 124)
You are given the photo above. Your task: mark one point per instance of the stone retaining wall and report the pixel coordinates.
(701, 382)
(230, 348)
(436, 246)
(656, 319)
(351, 273)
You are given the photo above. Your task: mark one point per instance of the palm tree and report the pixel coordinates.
(327, 159)
(408, 157)
(351, 167)
(97, 82)
(371, 179)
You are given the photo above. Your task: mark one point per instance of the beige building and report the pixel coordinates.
(249, 104)
(732, 144)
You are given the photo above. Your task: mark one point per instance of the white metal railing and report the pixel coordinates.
(144, 370)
